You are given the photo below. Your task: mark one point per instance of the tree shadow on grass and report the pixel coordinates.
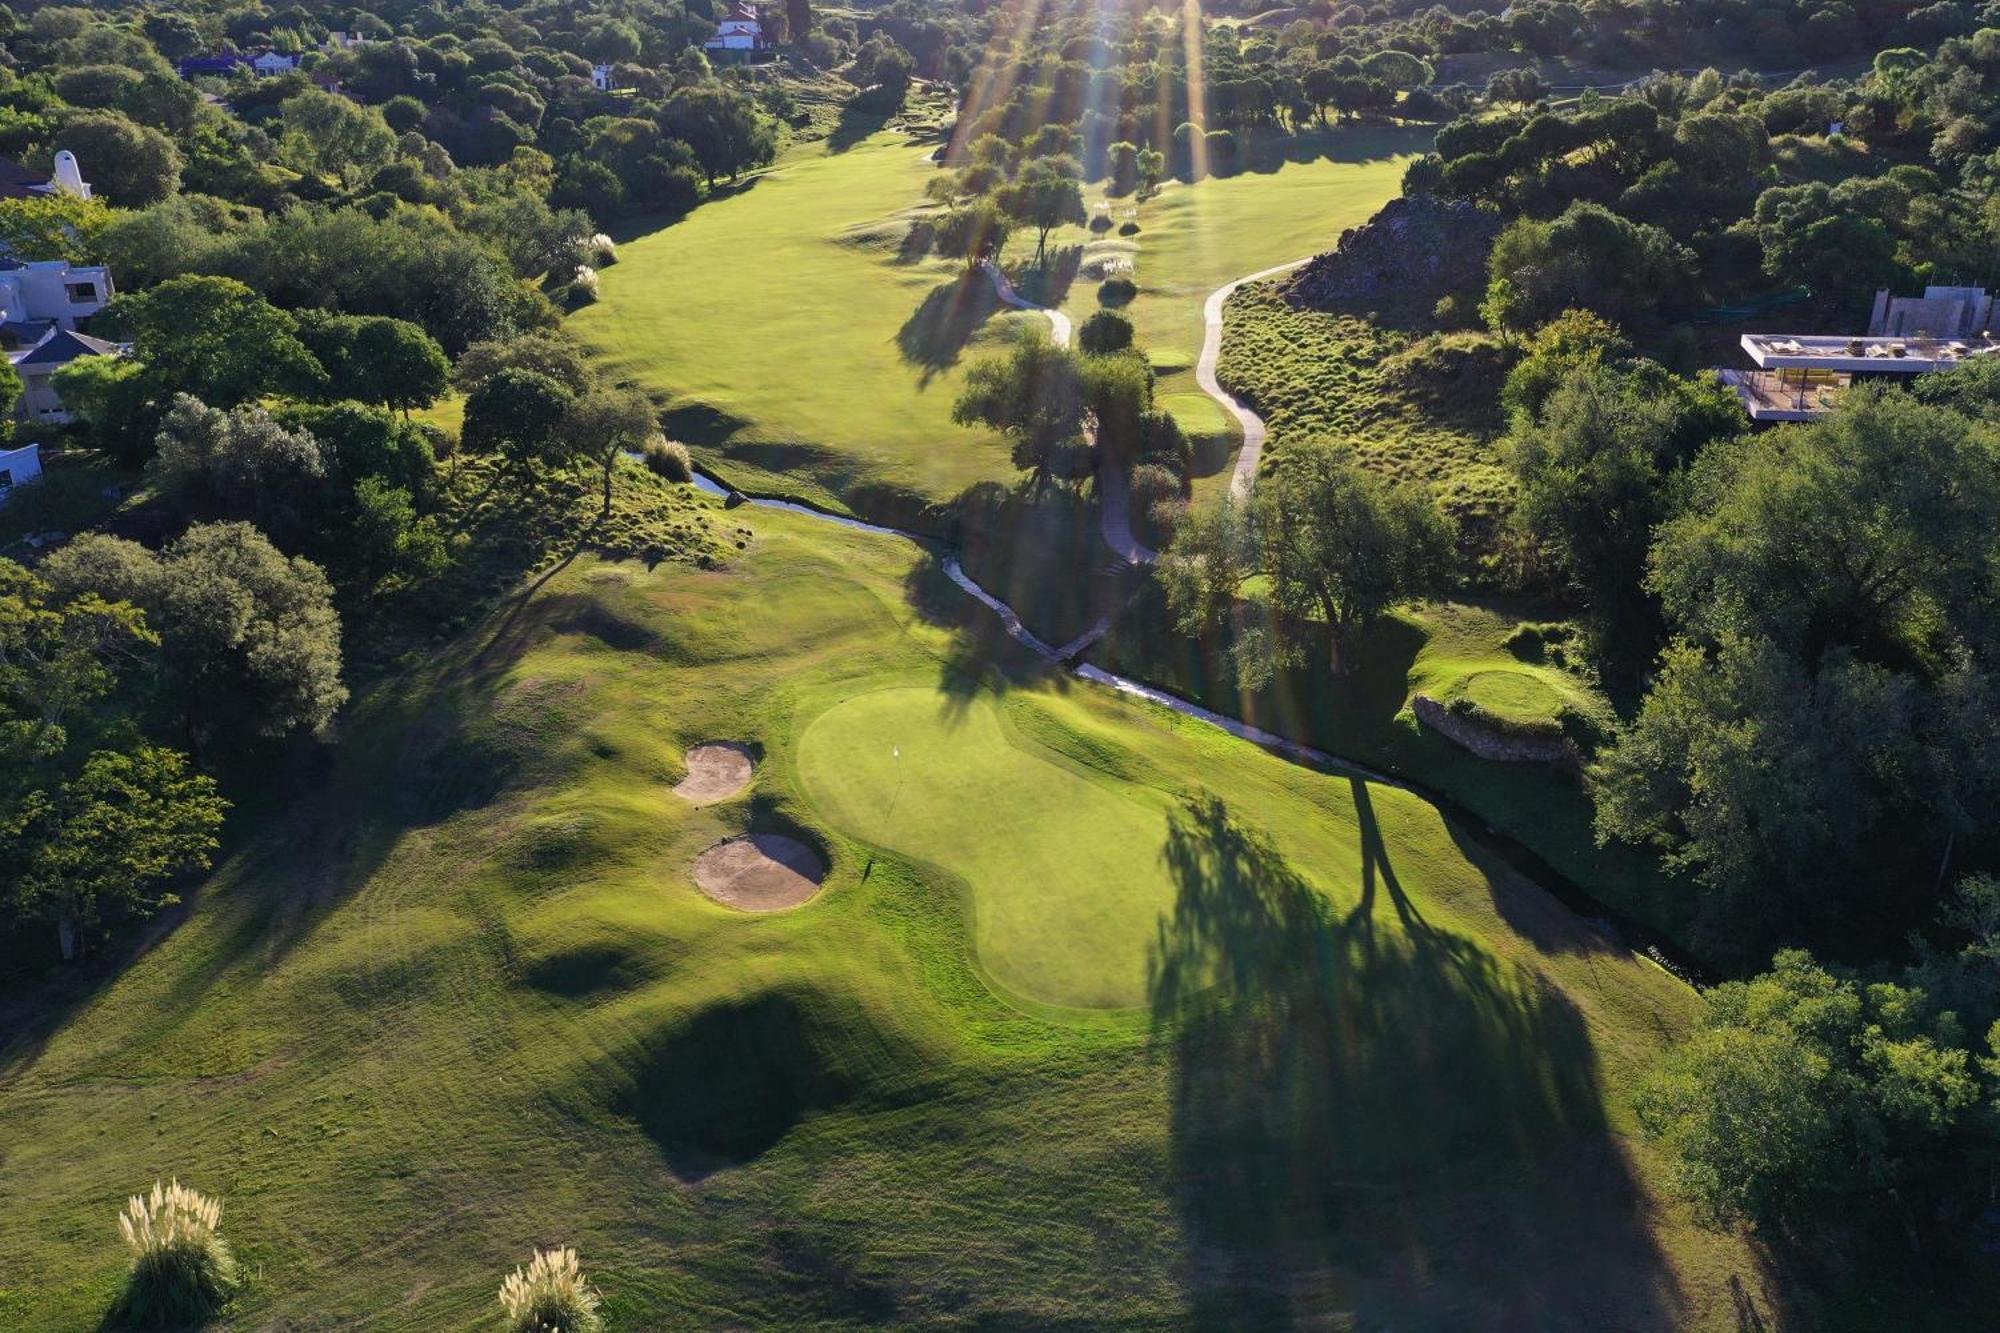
(936, 333)
(980, 657)
(1379, 1120)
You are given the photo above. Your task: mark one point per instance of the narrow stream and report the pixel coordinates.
(1614, 925)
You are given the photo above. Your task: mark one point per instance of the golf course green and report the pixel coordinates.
(1111, 1019)
(1063, 916)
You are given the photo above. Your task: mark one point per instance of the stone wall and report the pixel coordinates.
(1488, 743)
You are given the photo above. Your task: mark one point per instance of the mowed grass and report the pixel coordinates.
(802, 350)
(805, 348)
(1060, 911)
(466, 1000)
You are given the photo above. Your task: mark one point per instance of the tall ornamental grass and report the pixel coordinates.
(550, 1295)
(182, 1271)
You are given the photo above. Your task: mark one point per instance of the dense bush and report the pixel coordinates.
(669, 459)
(1116, 292)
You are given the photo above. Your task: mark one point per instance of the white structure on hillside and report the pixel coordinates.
(1801, 376)
(603, 77)
(740, 31)
(273, 63)
(17, 182)
(50, 292)
(18, 467)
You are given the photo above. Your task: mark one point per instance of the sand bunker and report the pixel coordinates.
(715, 771)
(759, 872)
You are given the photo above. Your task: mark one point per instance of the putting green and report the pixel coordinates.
(1515, 695)
(1067, 881)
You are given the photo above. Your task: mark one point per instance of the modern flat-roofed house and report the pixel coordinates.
(52, 292)
(1801, 376)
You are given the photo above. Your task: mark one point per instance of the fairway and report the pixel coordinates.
(1066, 873)
(804, 349)
(806, 355)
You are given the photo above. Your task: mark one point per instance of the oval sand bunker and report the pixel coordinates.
(717, 770)
(759, 872)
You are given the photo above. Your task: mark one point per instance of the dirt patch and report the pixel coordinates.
(717, 770)
(759, 872)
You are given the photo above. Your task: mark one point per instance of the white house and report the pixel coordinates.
(51, 292)
(344, 41)
(17, 182)
(601, 76)
(273, 63)
(18, 467)
(739, 31)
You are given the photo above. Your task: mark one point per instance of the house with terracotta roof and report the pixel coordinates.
(740, 33)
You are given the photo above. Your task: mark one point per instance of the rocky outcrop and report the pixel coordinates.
(1488, 742)
(1411, 254)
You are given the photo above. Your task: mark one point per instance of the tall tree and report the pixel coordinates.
(606, 424)
(1341, 543)
(1046, 194)
(1034, 395)
(106, 843)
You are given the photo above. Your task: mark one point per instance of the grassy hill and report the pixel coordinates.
(1277, 1045)
(809, 349)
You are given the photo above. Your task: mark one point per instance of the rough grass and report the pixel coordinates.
(464, 1002)
(1310, 373)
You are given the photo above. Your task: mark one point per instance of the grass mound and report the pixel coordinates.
(722, 1087)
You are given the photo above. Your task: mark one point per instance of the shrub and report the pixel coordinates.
(1158, 496)
(1128, 229)
(181, 1270)
(1100, 222)
(550, 1296)
(582, 289)
(669, 459)
(1105, 331)
(1116, 292)
(600, 251)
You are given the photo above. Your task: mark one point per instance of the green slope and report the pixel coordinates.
(467, 1000)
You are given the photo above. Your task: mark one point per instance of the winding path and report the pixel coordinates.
(1065, 656)
(1113, 488)
(1204, 373)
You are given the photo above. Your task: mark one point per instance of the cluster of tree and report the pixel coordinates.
(1706, 189)
(1338, 543)
(461, 160)
(1845, 1118)
(1070, 412)
(1127, 83)
(107, 649)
